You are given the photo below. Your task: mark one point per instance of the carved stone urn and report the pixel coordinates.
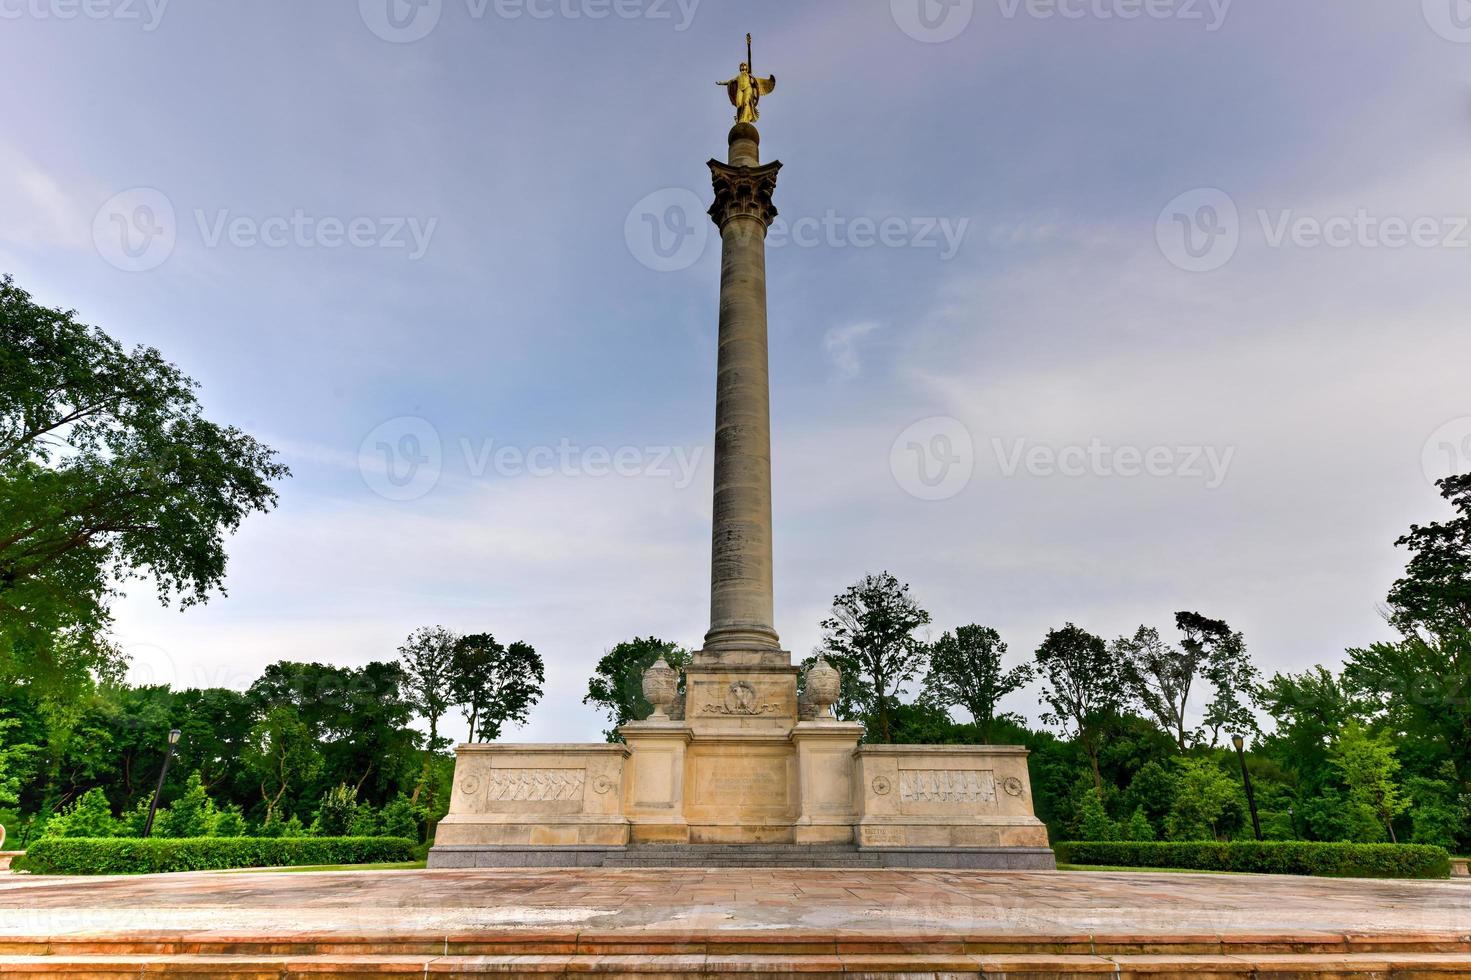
(661, 685)
(824, 684)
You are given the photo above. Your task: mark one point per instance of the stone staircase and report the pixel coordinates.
(743, 856)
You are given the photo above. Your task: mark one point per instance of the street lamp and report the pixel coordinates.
(1256, 823)
(158, 790)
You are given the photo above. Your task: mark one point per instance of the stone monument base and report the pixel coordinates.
(742, 790)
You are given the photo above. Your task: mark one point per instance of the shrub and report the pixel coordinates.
(1139, 828)
(90, 816)
(191, 815)
(1093, 820)
(95, 856)
(230, 822)
(401, 818)
(1268, 857)
(335, 814)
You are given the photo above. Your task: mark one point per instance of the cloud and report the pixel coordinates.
(841, 344)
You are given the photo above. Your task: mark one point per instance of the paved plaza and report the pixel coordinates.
(709, 922)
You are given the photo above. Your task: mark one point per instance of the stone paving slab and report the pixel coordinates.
(680, 905)
(766, 924)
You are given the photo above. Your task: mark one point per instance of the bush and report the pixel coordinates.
(90, 816)
(1269, 857)
(335, 815)
(122, 855)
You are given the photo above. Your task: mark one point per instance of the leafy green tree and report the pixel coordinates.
(870, 637)
(1207, 802)
(16, 765)
(401, 818)
(192, 814)
(366, 822)
(1369, 768)
(108, 471)
(1152, 792)
(1439, 815)
(1161, 678)
(90, 816)
(965, 670)
(1139, 828)
(230, 822)
(1094, 823)
(335, 815)
(616, 685)
(281, 754)
(494, 684)
(1083, 688)
(427, 659)
(1434, 596)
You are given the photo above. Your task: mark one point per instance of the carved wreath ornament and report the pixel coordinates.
(741, 701)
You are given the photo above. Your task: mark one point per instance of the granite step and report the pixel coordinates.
(742, 856)
(812, 966)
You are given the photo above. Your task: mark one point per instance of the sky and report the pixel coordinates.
(1081, 310)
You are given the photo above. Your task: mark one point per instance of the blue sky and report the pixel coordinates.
(1075, 315)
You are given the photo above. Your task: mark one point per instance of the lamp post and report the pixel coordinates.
(162, 773)
(1256, 823)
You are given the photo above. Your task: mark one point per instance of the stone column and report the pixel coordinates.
(741, 612)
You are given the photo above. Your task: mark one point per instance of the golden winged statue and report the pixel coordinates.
(746, 90)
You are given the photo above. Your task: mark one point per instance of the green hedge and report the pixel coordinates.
(136, 855)
(1268, 857)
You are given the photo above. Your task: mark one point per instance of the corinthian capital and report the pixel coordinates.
(743, 192)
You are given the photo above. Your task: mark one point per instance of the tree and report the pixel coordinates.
(1369, 768)
(1207, 802)
(192, 814)
(1139, 828)
(1161, 678)
(108, 471)
(427, 659)
(870, 638)
(1083, 687)
(965, 671)
(90, 816)
(1434, 596)
(1094, 823)
(616, 685)
(493, 684)
(281, 754)
(335, 814)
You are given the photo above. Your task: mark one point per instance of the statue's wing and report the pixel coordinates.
(766, 86)
(730, 87)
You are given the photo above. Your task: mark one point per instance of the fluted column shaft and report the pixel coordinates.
(741, 613)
